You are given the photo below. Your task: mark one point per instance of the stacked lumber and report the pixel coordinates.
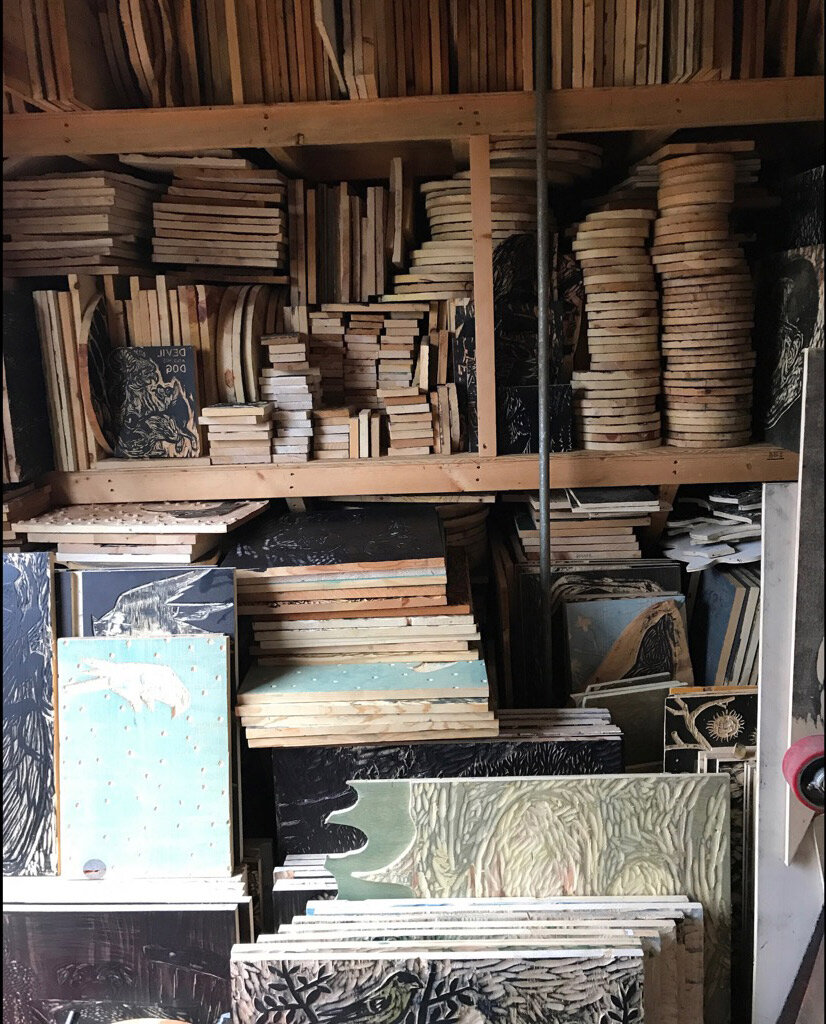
(91, 222)
(354, 227)
(292, 385)
(72, 437)
(580, 953)
(409, 421)
(584, 535)
(21, 503)
(707, 303)
(158, 533)
(347, 569)
(327, 353)
(348, 702)
(239, 432)
(332, 433)
(645, 42)
(223, 217)
(51, 57)
(223, 324)
(616, 398)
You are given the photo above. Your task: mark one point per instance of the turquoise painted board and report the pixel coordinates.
(626, 637)
(362, 681)
(601, 835)
(144, 756)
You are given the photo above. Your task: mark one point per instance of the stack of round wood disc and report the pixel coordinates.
(466, 526)
(707, 305)
(569, 161)
(616, 401)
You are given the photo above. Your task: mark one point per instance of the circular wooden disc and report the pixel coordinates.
(635, 259)
(590, 394)
(611, 287)
(604, 252)
(709, 365)
(693, 181)
(629, 229)
(607, 378)
(601, 329)
(617, 436)
(684, 235)
(644, 298)
(686, 416)
(700, 392)
(606, 446)
(620, 310)
(695, 198)
(613, 364)
(629, 423)
(711, 158)
(712, 248)
(678, 443)
(734, 436)
(626, 214)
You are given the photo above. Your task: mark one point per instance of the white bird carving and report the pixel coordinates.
(140, 685)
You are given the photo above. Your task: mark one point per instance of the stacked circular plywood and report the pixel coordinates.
(707, 305)
(616, 401)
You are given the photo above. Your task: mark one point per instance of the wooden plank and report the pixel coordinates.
(483, 292)
(167, 130)
(435, 475)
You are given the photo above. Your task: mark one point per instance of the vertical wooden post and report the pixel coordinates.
(483, 292)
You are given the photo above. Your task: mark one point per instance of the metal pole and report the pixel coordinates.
(540, 46)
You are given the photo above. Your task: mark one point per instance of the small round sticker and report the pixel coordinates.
(94, 869)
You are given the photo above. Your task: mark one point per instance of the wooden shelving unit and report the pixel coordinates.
(291, 131)
(143, 481)
(292, 126)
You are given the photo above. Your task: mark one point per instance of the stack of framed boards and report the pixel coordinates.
(91, 222)
(152, 533)
(586, 957)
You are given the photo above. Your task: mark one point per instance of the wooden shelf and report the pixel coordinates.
(346, 122)
(173, 481)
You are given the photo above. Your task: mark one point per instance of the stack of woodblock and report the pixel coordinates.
(588, 524)
(410, 421)
(707, 302)
(164, 533)
(331, 433)
(90, 222)
(616, 399)
(341, 629)
(239, 433)
(327, 353)
(223, 217)
(293, 386)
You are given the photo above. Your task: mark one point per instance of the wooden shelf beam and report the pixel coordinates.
(453, 474)
(345, 122)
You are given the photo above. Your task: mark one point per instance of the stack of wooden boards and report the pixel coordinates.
(344, 236)
(581, 955)
(293, 386)
(240, 433)
(58, 319)
(645, 42)
(156, 533)
(223, 217)
(289, 705)
(343, 434)
(583, 529)
(91, 222)
(21, 503)
(52, 57)
(707, 303)
(724, 526)
(616, 398)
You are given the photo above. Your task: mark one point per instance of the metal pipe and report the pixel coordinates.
(540, 46)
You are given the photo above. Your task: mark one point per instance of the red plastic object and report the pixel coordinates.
(803, 769)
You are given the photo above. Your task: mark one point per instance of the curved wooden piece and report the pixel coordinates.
(83, 373)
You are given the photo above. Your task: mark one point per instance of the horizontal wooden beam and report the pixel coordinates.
(345, 122)
(454, 474)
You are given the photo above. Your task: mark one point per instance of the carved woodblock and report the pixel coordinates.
(29, 813)
(807, 669)
(696, 722)
(110, 965)
(622, 638)
(595, 987)
(602, 835)
(311, 782)
(154, 602)
(144, 517)
(153, 398)
(144, 756)
(788, 319)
